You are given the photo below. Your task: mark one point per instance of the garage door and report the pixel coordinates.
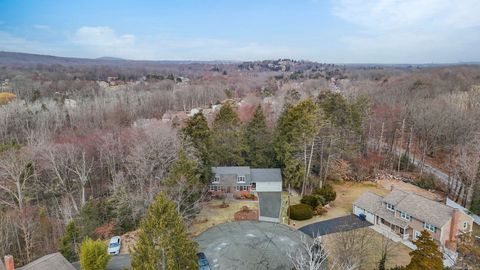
(368, 216)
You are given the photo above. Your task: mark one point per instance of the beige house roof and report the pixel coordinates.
(419, 207)
(52, 261)
(426, 210)
(373, 203)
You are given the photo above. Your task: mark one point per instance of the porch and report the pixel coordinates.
(400, 231)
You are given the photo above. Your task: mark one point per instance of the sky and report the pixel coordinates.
(333, 31)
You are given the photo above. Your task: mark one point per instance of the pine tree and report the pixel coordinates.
(197, 130)
(258, 142)
(163, 241)
(296, 129)
(427, 256)
(94, 255)
(184, 185)
(69, 241)
(227, 145)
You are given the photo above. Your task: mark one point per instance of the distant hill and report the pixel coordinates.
(16, 58)
(110, 58)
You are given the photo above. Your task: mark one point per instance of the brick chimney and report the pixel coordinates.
(9, 265)
(452, 239)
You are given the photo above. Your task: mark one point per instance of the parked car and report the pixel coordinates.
(114, 245)
(203, 262)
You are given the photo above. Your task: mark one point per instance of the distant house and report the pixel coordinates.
(52, 261)
(266, 184)
(408, 214)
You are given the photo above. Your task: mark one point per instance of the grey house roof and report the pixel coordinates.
(2, 266)
(52, 261)
(419, 207)
(228, 175)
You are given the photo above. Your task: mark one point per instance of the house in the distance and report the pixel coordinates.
(52, 261)
(266, 184)
(408, 214)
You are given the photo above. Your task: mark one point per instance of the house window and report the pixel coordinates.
(390, 207)
(405, 216)
(212, 188)
(241, 179)
(429, 227)
(465, 225)
(216, 179)
(416, 235)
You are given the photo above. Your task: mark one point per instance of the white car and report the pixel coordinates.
(114, 245)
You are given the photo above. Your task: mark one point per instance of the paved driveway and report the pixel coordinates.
(270, 204)
(341, 224)
(247, 245)
(118, 262)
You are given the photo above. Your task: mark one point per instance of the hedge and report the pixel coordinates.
(301, 211)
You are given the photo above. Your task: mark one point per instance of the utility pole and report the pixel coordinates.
(288, 209)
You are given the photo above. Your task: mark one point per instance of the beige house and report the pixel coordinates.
(408, 214)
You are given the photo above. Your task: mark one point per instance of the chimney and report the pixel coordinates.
(452, 241)
(9, 265)
(392, 187)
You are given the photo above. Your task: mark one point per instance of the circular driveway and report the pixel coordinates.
(249, 245)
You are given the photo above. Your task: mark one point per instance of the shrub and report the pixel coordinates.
(69, 242)
(320, 210)
(326, 192)
(301, 211)
(427, 181)
(313, 200)
(93, 255)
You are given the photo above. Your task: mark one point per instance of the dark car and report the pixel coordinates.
(203, 262)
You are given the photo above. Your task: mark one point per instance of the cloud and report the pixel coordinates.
(411, 31)
(394, 14)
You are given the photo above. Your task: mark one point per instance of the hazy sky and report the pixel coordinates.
(341, 31)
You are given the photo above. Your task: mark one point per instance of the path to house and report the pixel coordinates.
(118, 262)
(340, 224)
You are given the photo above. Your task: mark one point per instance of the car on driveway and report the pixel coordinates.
(114, 245)
(203, 262)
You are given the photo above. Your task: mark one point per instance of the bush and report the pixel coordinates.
(326, 192)
(301, 211)
(313, 200)
(93, 255)
(427, 181)
(69, 242)
(320, 210)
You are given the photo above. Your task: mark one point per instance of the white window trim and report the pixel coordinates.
(239, 179)
(429, 227)
(216, 179)
(416, 235)
(465, 225)
(390, 209)
(405, 216)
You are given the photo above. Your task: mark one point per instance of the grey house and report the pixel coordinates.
(265, 183)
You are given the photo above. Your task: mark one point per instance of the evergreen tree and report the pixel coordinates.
(427, 255)
(197, 130)
(475, 204)
(94, 255)
(258, 142)
(184, 185)
(296, 129)
(69, 241)
(227, 145)
(163, 241)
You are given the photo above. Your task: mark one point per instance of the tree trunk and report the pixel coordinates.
(399, 152)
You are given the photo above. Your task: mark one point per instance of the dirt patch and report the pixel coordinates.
(246, 214)
(129, 240)
(212, 214)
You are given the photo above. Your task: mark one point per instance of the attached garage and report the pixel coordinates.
(360, 211)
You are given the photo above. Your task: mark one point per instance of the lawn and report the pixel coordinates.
(347, 193)
(399, 254)
(213, 214)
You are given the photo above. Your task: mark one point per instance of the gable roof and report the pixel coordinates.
(395, 196)
(373, 204)
(228, 175)
(52, 261)
(266, 175)
(426, 210)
